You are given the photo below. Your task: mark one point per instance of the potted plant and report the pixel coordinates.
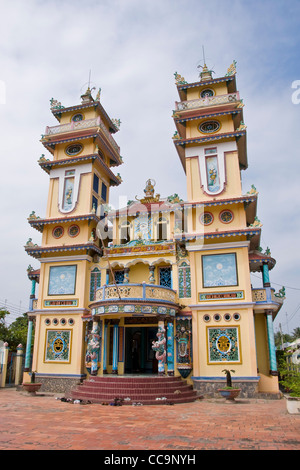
(31, 387)
(290, 380)
(229, 392)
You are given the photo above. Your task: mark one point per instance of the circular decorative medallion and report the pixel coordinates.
(58, 232)
(217, 317)
(77, 117)
(209, 127)
(227, 317)
(58, 346)
(223, 344)
(206, 218)
(236, 316)
(206, 318)
(73, 149)
(207, 93)
(226, 216)
(73, 230)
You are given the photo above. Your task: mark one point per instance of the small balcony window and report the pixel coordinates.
(165, 276)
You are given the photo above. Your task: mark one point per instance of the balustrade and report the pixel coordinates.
(144, 292)
(208, 101)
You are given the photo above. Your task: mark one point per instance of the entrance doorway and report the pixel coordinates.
(139, 355)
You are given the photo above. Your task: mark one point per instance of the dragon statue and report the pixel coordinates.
(159, 347)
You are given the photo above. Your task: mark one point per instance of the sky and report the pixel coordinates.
(133, 48)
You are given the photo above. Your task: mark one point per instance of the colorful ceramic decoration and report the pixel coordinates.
(219, 270)
(58, 345)
(62, 280)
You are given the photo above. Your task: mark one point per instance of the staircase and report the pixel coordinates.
(144, 390)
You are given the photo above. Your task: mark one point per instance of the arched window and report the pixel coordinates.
(95, 283)
(184, 280)
(124, 232)
(161, 233)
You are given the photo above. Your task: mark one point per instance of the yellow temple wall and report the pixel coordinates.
(218, 88)
(80, 291)
(88, 113)
(243, 273)
(226, 126)
(74, 365)
(233, 186)
(246, 366)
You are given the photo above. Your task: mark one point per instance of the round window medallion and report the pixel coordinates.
(226, 217)
(58, 232)
(71, 321)
(73, 230)
(236, 316)
(207, 93)
(47, 321)
(73, 149)
(206, 218)
(217, 317)
(209, 127)
(206, 318)
(77, 117)
(227, 316)
(55, 321)
(63, 321)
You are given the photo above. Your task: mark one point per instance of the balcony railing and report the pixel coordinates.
(208, 101)
(260, 295)
(80, 125)
(138, 292)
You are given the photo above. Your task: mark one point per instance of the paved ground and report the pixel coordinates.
(45, 423)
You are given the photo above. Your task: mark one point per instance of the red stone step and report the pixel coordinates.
(142, 390)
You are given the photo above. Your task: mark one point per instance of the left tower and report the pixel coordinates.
(84, 153)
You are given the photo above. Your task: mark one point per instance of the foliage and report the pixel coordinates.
(15, 333)
(286, 338)
(289, 375)
(228, 377)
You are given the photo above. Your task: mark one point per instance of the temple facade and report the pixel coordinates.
(162, 286)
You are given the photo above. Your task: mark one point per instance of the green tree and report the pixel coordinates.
(4, 335)
(18, 332)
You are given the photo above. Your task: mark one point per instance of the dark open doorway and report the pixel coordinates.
(139, 355)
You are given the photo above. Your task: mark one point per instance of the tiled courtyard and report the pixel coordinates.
(44, 422)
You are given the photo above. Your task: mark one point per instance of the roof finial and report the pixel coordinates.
(205, 74)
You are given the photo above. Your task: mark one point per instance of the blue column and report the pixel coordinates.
(105, 349)
(170, 348)
(265, 273)
(271, 343)
(115, 349)
(28, 345)
(32, 294)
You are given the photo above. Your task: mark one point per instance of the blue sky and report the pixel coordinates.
(133, 49)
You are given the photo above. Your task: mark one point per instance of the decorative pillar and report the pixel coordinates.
(28, 345)
(151, 275)
(271, 343)
(170, 347)
(4, 359)
(32, 294)
(105, 348)
(19, 364)
(93, 350)
(265, 275)
(126, 276)
(115, 349)
(159, 347)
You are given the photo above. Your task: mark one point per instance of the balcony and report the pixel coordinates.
(82, 125)
(266, 298)
(136, 299)
(208, 101)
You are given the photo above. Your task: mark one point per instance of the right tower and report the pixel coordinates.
(232, 323)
